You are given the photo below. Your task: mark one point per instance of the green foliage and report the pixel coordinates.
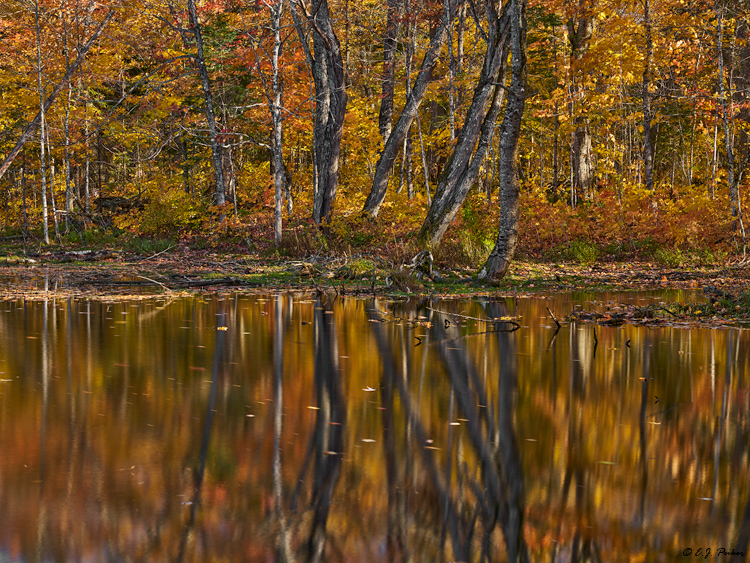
(470, 241)
(670, 257)
(360, 267)
(742, 304)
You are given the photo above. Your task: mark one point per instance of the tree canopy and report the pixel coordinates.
(287, 120)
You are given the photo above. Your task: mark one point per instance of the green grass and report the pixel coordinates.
(580, 251)
(677, 258)
(141, 245)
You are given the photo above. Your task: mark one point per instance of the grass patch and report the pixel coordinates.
(142, 245)
(96, 237)
(676, 258)
(580, 251)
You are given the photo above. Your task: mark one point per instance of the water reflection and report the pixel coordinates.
(295, 428)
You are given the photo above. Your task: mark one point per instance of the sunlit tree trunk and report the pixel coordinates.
(52, 176)
(66, 129)
(498, 262)
(42, 123)
(24, 209)
(556, 128)
(580, 31)
(87, 166)
(277, 118)
(451, 77)
(273, 94)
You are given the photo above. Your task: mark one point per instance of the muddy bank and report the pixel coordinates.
(103, 272)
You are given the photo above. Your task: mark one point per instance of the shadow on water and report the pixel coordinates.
(296, 429)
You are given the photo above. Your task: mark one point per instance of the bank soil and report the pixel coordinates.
(104, 274)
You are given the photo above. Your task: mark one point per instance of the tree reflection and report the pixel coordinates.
(349, 430)
(206, 438)
(459, 528)
(326, 446)
(498, 497)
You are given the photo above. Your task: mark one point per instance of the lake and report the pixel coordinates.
(290, 427)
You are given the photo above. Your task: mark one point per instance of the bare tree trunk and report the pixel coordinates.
(583, 161)
(396, 138)
(648, 146)
(216, 148)
(276, 116)
(451, 78)
(273, 95)
(715, 159)
(462, 168)
(23, 194)
(556, 128)
(55, 215)
(327, 67)
(42, 122)
(498, 262)
(580, 31)
(87, 179)
(736, 208)
(66, 129)
(385, 120)
(412, 45)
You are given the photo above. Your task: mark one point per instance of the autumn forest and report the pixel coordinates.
(480, 130)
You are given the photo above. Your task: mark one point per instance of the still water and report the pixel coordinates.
(294, 428)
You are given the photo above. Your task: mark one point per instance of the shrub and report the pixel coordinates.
(583, 252)
(172, 212)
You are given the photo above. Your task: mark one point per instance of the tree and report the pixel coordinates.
(462, 168)
(648, 142)
(275, 106)
(580, 30)
(498, 262)
(31, 127)
(42, 122)
(385, 120)
(736, 207)
(330, 103)
(216, 148)
(396, 138)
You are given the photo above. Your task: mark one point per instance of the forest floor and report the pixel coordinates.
(117, 274)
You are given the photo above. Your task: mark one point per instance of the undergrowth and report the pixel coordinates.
(656, 227)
